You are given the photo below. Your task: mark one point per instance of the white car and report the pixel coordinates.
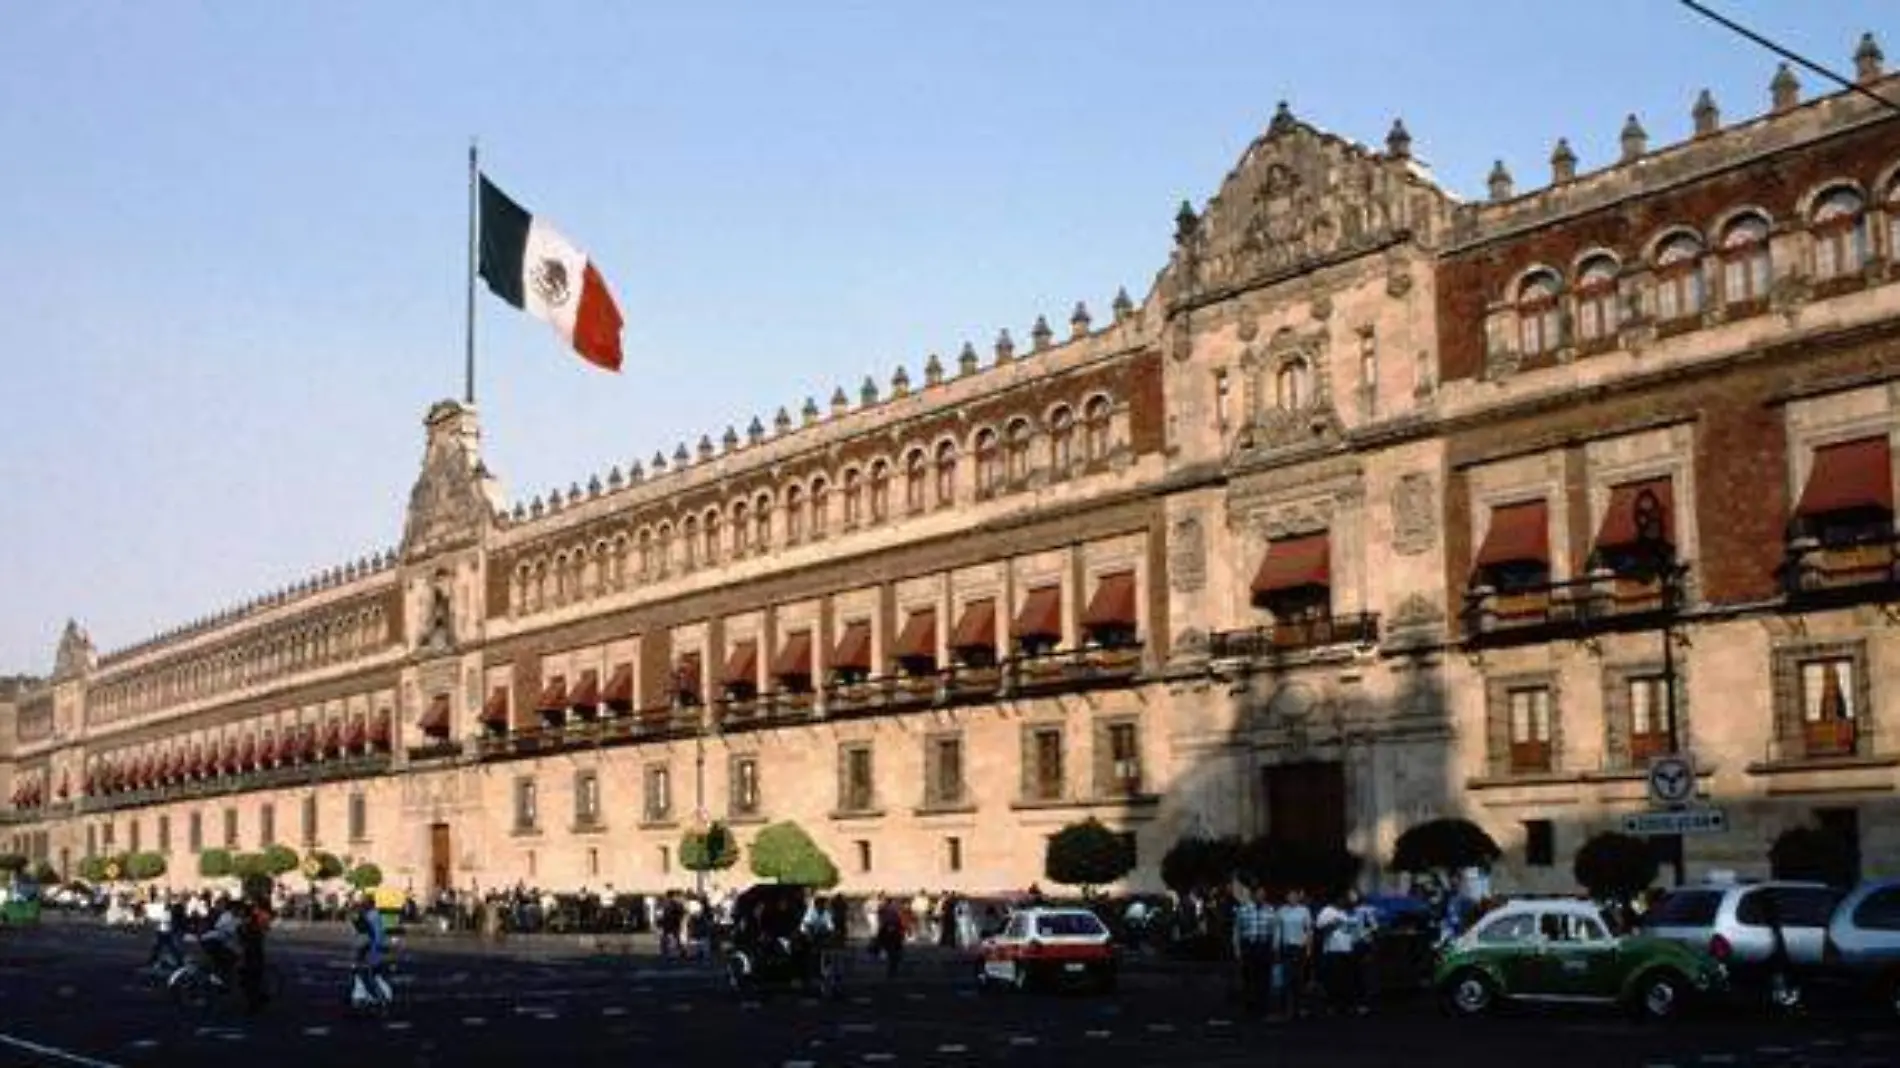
(1048, 946)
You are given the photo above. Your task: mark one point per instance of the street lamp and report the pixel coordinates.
(1657, 560)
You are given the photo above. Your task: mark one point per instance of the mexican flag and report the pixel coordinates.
(527, 263)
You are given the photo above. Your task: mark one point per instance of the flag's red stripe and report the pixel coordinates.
(597, 323)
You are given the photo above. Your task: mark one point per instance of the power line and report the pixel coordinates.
(1789, 54)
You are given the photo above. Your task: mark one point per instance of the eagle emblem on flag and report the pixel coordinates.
(550, 281)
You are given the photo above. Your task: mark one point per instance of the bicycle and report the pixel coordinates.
(197, 988)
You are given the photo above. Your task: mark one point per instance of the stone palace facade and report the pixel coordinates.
(1374, 509)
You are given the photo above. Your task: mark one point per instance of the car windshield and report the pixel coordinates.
(1685, 908)
(1068, 925)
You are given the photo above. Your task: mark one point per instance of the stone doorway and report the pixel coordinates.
(1305, 804)
(440, 878)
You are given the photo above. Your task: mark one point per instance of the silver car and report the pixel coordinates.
(1863, 941)
(1772, 936)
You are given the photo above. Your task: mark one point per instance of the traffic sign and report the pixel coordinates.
(1672, 780)
(1679, 821)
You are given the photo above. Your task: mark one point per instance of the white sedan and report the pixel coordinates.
(1048, 946)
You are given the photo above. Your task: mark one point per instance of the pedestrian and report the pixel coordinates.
(1254, 931)
(889, 939)
(1294, 953)
(1339, 954)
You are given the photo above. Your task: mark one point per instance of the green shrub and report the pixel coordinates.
(215, 863)
(1087, 855)
(144, 866)
(365, 877)
(784, 853)
(711, 850)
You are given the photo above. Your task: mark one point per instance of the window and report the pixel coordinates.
(880, 491)
(194, 834)
(945, 771)
(666, 860)
(1223, 398)
(794, 515)
(989, 463)
(853, 498)
(1061, 440)
(527, 806)
(859, 788)
(1828, 706)
(267, 825)
(864, 855)
(659, 794)
(586, 798)
(1539, 326)
(820, 506)
(1017, 457)
(1096, 429)
(1530, 729)
(1540, 844)
(164, 834)
(741, 529)
(1893, 221)
(230, 828)
(1123, 760)
(953, 854)
(1840, 235)
(946, 474)
(1745, 262)
(359, 818)
(689, 542)
(593, 863)
(745, 786)
(1596, 299)
(132, 836)
(1509, 930)
(309, 821)
(1879, 911)
(762, 524)
(916, 481)
(1650, 712)
(1678, 278)
(712, 538)
(1045, 778)
(92, 841)
(1290, 386)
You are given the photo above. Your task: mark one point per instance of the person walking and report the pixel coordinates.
(889, 939)
(1255, 929)
(1294, 952)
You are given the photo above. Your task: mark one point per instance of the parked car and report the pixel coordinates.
(1048, 946)
(1562, 951)
(1771, 936)
(1863, 941)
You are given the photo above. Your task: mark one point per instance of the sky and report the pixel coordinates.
(233, 235)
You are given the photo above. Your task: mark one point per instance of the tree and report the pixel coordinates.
(1088, 855)
(713, 849)
(214, 863)
(783, 852)
(45, 873)
(12, 862)
(328, 865)
(143, 866)
(93, 869)
(280, 860)
(365, 876)
(1615, 867)
(1812, 854)
(1200, 864)
(1444, 846)
(246, 865)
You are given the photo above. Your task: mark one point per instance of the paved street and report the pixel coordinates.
(68, 996)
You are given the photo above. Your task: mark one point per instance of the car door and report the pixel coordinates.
(1511, 945)
(1581, 961)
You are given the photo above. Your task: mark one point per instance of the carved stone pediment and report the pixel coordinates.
(1295, 500)
(1301, 197)
(446, 506)
(76, 653)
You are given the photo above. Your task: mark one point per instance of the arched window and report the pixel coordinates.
(820, 506)
(1678, 278)
(562, 591)
(1745, 262)
(1840, 234)
(1290, 388)
(916, 480)
(794, 515)
(689, 542)
(946, 474)
(1095, 429)
(762, 523)
(662, 551)
(712, 538)
(649, 567)
(989, 463)
(1539, 327)
(1596, 299)
(853, 498)
(1017, 451)
(1893, 221)
(1061, 440)
(741, 529)
(880, 491)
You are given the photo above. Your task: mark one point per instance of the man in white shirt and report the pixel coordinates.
(1295, 941)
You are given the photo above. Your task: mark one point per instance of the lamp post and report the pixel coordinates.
(1657, 556)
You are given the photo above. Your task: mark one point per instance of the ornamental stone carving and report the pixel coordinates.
(1414, 514)
(446, 506)
(1187, 554)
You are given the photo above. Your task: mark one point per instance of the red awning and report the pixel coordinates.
(1114, 602)
(1850, 476)
(435, 721)
(742, 664)
(1621, 528)
(794, 657)
(1295, 563)
(554, 695)
(357, 734)
(688, 676)
(619, 692)
(1041, 614)
(919, 638)
(495, 709)
(65, 786)
(1519, 534)
(853, 652)
(976, 627)
(247, 752)
(333, 736)
(380, 730)
(586, 695)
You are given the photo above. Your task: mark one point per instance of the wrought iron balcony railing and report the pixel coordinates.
(1292, 636)
(1602, 600)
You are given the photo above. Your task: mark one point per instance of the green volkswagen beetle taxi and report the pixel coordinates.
(1556, 951)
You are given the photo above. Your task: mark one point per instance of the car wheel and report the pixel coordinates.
(1661, 996)
(1470, 993)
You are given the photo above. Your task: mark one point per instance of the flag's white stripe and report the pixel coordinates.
(551, 273)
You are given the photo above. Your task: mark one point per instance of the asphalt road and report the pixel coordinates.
(68, 996)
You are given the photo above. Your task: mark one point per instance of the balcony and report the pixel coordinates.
(776, 709)
(1824, 743)
(654, 723)
(1843, 569)
(307, 773)
(1600, 602)
(1295, 636)
(435, 749)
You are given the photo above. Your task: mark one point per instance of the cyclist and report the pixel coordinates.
(372, 942)
(220, 942)
(254, 922)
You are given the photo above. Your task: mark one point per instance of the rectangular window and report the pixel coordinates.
(164, 834)
(745, 786)
(1828, 714)
(359, 818)
(946, 771)
(659, 794)
(1124, 760)
(110, 838)
(1649, 719)
(859, 793)
(593, 863)
(1540, 843)
(230, 828)
(1530, 729)
(666, 860)
(132, 835)
(267, 825)
(527, 805)
(1046, 777)
(953, 854)
(586, 798)
(864, 855)
(92, 841)
(195, 833)
(309, 820)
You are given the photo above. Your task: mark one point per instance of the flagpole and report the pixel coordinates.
(474, 178)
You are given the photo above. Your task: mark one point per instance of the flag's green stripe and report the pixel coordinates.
(504, 240)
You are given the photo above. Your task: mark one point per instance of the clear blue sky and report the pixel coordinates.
(231, 234)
